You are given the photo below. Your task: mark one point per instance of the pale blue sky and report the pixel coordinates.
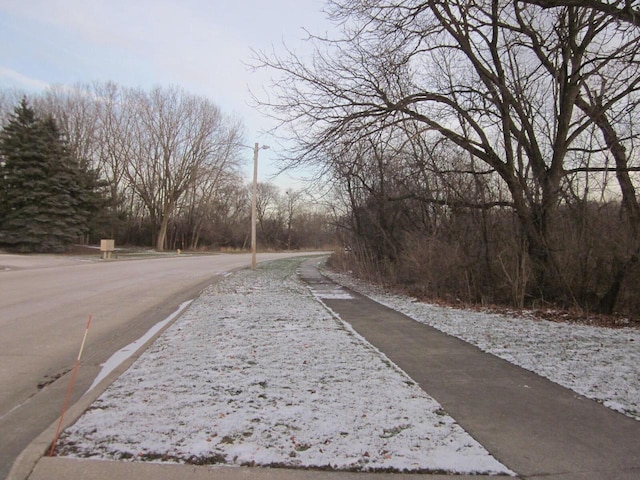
(198, 44)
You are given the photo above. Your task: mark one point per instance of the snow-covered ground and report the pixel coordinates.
(258, 372)
(597, 362)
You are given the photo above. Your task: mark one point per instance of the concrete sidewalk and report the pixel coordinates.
(534, 427)
(68, 469)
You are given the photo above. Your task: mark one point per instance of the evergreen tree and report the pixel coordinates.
(46, 198)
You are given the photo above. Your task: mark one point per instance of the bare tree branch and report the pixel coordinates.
(624, 11)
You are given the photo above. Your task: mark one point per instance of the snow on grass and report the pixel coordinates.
(600, 363)
(258, 372)
(121, 355)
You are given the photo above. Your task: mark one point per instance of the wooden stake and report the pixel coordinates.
(70, 389)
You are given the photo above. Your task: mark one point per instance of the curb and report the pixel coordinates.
(26, 462)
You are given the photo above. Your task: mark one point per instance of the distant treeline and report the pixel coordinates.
(164, 168)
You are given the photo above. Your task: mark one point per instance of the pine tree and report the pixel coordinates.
(46, 198)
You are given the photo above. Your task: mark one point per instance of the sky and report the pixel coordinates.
(203, 46)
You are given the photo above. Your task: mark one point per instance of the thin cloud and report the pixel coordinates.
(18, 79)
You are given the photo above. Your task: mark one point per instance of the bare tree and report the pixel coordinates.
(212, 179)
(609, 83)
(268, 214)
(468, 72)
(292, 206)
(115, 138)
(75, 109)
(623, 10)
(179, 136)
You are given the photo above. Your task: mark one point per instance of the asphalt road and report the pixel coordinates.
(45, 302)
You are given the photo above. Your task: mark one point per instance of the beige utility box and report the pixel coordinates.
(107, 247)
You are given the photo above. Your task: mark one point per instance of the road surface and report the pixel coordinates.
(45, 302)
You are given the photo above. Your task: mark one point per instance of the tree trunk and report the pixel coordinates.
(162, 234)
(608, 302)
(536, 222)
(629, 199)
(161, 239)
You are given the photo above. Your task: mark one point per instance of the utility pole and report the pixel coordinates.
(254, 202)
